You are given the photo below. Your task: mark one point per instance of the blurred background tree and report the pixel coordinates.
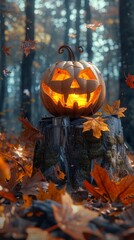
(103, 27)
(126, 16)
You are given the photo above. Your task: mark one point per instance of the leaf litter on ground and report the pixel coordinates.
(28, 200)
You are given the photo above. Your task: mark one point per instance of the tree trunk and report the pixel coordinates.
(89, 31)
(75, 152)
(126, 11)
(26, 67)
(2, 56)
(67, 25)
(77, 24)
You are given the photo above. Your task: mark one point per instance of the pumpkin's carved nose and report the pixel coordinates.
(75, 84)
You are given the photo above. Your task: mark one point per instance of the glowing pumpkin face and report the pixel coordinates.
(72, 88)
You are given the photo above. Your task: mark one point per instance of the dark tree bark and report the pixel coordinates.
(78, 8)
(67, 25)
(2, 56)
(75, 152)
(126, 11)
(26, 67)
(89, 31)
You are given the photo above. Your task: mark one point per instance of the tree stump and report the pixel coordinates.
(65, 145)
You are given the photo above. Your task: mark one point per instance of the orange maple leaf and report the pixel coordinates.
(114, 109)
(130, 80)
(52, 193)
(4, 170)
(96, 124)
(29, 133)
(6, 50)
(108, 190)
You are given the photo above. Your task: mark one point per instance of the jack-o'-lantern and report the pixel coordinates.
(72, 88)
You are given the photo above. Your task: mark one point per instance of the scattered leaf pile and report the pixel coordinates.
(33, 208)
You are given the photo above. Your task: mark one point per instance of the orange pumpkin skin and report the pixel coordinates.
(72, 88)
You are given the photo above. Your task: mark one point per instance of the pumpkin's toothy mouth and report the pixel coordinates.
(81, 100)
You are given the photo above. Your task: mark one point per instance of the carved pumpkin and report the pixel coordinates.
(72, 88)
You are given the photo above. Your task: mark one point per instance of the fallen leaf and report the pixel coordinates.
(108, 190)
(130, 80)
(58, 173)
(96, 124)
(6, 72)
(94, 25)
(72, 35)
(4, 169)
(128, 234)
(126, 187)
(52, 193)
(27, 200)
(114, 109)
(31, 186)
(74, 219)
(27, 46)
(29, 133)
(15, 226)
(128, 215)
(7, 195)
(6, 50)
(35, 233)
(10, 185)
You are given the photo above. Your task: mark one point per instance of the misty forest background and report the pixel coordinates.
(54, 23)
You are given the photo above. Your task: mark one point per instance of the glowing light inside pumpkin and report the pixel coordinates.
(60, 75)
(80, 99)
(75, 84)
(87, 74)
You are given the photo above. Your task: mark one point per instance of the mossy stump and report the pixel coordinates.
(65, 145)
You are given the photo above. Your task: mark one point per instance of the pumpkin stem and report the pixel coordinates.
(71, 56)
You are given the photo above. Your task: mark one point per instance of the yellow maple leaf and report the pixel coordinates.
(114, 109)
(96, 124)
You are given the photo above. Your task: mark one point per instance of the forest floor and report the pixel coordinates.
(32, 208)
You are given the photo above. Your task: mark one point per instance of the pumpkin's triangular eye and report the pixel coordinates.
(87, 74)
(60, 75)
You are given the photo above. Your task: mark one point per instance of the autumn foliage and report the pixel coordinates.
(33, 201)
(109, 190)
(98, 124)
